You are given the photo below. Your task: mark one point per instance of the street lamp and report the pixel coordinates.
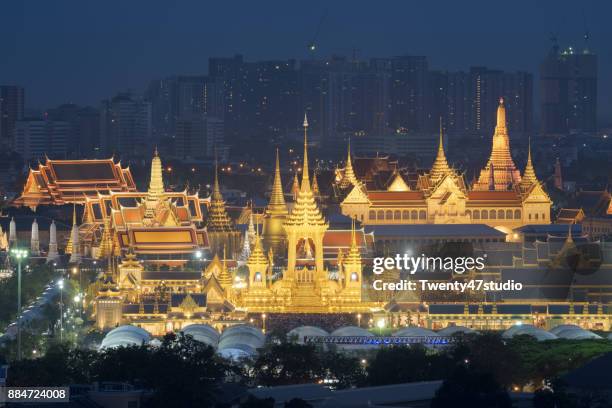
(359, 319)
(381, 325)
(60, 284)
(19, 254)
(263, 318)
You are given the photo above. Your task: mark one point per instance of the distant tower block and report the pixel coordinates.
(35, 239)
(52, 254)
(558, 175)
(12, 233)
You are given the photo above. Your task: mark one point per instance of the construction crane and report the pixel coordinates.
(312, 45)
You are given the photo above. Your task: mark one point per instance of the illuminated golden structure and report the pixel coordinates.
(275, 214)
(221, 232)
(501, 198)
(59, 182)
(158, 226)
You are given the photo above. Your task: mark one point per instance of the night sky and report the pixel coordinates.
(83, 51)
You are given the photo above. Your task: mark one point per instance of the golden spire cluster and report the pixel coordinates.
(257, 256)
(305, 212)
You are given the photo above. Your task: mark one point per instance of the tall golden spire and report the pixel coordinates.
(505, 173)
(305, 211)
(106, 242)
(529, 176)
(295, 187)
(277, 198)
(225, 276)
(305, 176)
(156, 184)
(349, 178)
(440, 166)
(315, 184)
(218, 220)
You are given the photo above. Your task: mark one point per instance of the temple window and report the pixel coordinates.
(501, 214)
(413, 214)
(389, 215)
(422, 215)
(508, 214)
(485, 215)
(476, 214)
(492, 215)
(372, 215)
(397, 215)
(543, 216)
(468, 213)
(517, 214)
(405, 214)
(381, 215)
(536, 216)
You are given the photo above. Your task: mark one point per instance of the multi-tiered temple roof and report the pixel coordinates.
(59, 182)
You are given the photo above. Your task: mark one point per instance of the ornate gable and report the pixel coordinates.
(357, 196)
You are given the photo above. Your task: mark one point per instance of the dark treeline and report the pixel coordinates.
(477, 370)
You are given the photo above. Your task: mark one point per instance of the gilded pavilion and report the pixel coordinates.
(157, 226)
(59, 182)
(500, 198)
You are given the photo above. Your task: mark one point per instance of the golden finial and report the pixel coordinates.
(305, 175)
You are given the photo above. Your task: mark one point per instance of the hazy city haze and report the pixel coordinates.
(73, 51)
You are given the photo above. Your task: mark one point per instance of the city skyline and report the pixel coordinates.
(174, 40)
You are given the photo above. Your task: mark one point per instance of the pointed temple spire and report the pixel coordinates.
(12, 233)
(225, 276)
(52, 253)
(295, 188)
(106, 242)
(218, 220)
(4, 246)
(349, 178)
(315, 185)
(277, 197)
(440, 166)
(156, 183)
(506, 174)
(35, 239)
(529, 176)
(305, 212)
(305, 176)
(75, 255)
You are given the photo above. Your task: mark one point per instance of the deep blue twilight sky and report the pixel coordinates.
(84, 51)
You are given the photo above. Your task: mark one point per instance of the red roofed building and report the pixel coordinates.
(59, 182)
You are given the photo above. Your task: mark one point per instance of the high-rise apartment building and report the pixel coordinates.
(198, 136)
(12, 99)
(568, 91)
(125, 126)
(35, 139)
